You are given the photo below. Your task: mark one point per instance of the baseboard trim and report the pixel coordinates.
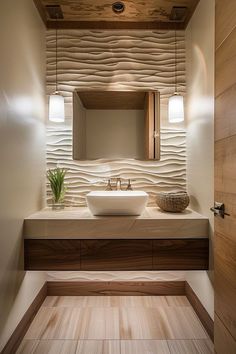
(200, 310)
(119, 288)
(21, 329)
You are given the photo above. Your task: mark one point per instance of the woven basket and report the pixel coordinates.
(174, 202)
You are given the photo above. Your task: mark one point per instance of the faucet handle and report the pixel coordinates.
(129, 186)
(108, 187)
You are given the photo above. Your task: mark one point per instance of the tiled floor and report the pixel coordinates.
(116, 325)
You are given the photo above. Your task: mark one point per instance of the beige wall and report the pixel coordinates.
(22, 151)
(200, 122)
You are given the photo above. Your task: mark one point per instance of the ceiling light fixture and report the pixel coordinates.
(118, 7)
(176, 102)
(56, 101)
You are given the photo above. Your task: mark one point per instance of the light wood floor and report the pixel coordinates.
(116, 325)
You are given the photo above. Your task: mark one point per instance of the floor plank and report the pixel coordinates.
(27, 346)
(144, 347)
(177, 301)
(160, 323)
(191, 346)
(99, 323)
(98, 347)
(182, 323)
(64, 323)
(56, 347)
(142, 323)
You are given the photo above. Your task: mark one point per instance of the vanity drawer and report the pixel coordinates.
(52, 254)
(116, 254)
(180, 254)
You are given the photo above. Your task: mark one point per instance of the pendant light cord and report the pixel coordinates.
(56, 56)
(175, 62)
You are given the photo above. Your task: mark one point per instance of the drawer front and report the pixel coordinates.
(116, 254)
(52, 254)
(177, 254)
(180, 254)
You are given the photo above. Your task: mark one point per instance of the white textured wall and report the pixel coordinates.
(84, 176)
(117, 60)
(22, 152)
(200, 131)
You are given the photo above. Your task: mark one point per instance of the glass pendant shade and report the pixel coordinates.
(176, 109)
(56, 108)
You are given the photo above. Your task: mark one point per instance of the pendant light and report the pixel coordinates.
(176, 102)
(56, 101)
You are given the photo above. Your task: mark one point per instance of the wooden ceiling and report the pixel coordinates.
(138, 14)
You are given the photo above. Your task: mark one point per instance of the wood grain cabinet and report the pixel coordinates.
(52, 254)
(184, 254)
(161, 254)
(116, 255)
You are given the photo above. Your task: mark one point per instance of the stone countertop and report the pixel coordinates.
(79, 223)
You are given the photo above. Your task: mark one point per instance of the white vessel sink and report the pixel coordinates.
(117, 202)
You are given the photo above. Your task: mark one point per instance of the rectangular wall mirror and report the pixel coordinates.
(116, 125)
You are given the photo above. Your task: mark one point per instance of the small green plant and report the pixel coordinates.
(56, 178)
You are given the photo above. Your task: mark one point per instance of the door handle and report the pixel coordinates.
(219, 210)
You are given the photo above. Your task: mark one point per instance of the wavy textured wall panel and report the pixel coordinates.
(83, 176)
(117, 276)
(116, 60)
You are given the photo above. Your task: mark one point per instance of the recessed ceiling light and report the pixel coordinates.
(118, 7)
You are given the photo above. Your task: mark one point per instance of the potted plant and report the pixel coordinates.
(56, 179)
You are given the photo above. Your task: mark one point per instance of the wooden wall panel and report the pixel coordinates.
(225, 177)
(225, 161)
(225, 19)
(225, 64)
(180, 254)
(225, 127)
(225, 280)
(224, 342)
(228, 224)
(117, 60)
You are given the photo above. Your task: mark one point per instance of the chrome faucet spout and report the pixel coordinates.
(118, 184)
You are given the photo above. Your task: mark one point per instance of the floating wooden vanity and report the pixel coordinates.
(73, 239)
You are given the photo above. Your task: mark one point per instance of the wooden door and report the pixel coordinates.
(225, 177)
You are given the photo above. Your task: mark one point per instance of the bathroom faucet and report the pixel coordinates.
(118, 185)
